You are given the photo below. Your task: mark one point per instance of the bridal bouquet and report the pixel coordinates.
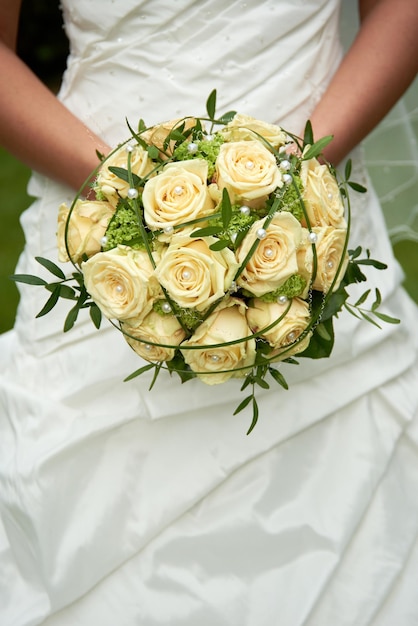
(216, 249)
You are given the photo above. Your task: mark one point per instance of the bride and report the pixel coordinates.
(125, 506)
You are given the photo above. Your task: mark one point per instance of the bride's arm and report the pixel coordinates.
(377, 69)
(34, 125)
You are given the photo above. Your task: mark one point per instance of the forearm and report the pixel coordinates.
(378, 68)
(39, 130)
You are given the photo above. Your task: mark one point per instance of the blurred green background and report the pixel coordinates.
(392, 163)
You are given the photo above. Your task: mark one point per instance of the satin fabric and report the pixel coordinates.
(121, 505)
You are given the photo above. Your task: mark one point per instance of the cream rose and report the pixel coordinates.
(110, 184)
(275, 258)
(194, 275)
(283, 336)
(157, 135)
(216, 365)
(154, 329)
(330, 250)
(177, 195)
(121, 282)
(247, 170)
(321, 195)
(87, 225)
(247, 128)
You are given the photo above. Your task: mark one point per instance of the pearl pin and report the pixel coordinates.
(178, 190)
(261, 233)
(313, 237)
(132, 193)
(168, 230)
(103, 240)
(282, 299)
(192, 147)
(287, 179)
(285, 165)
(166, 307)
(268, 252)
(245, 210)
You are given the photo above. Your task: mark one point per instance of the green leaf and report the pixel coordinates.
(95, 314)
(261, 382)
(369, 319)
(255, 416)
(71, 317)
(387, 318)
(211, 105)
(227, 117)
(153, 152)
(28, 279)
(320, 347)
(323, 332)
(308, 134)
(377, 264)
(123, 174)
(50, 303)
(219, 245)
(243, 404)
(348, 167)
(357, 187)
(51, 267)
(363, 298)
(156, 372)
(226, 208)
(317, 147)
(208, 231)
(139, 372)
(378, 300)
(278, 377)
(67, 292)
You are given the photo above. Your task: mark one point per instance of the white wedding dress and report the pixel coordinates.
(122, 506)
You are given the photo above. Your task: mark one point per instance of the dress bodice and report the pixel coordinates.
(123, 63)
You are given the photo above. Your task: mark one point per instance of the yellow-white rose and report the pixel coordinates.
(330, 251)
(321, 195)
(110, 184)
(275, 258)
(177, 195)
(283, 336)
(247, 128)
(157, 135)
(194, 275)
(226, 323)
(87, 225)
(154, 329)
(248, 170)
(121, 281)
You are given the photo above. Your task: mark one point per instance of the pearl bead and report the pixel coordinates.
(268, 252)
(178, 190)
(330, 196)
(215, 358)
(245, 210)
(249, 165)
(119, 288)
(291, 336)
(147, 347)
(103, 240)
(261, 233)
(233, 287)
(192, 147)
(313, 237)
(186, 274)
(132, 193)
(287, 179)
(285, 165)
(168, 230)
(166, 307)
(282, 299)
(129, 149)
(330, 264)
